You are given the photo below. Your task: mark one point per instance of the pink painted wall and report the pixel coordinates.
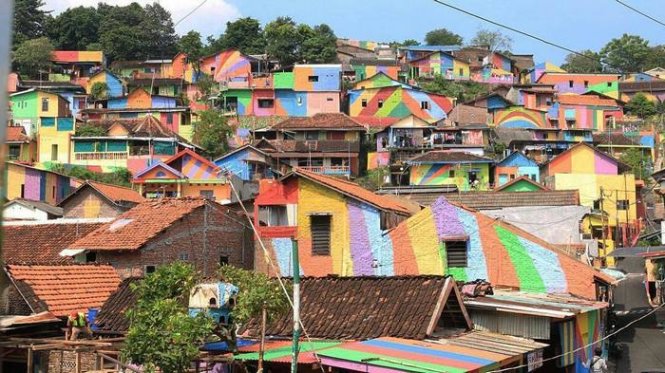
(605, 166)
(317, 102)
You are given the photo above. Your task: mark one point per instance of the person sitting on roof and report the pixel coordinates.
(76, 323)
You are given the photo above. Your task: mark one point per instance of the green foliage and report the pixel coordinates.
(656, 57)
(255, 291)
(626, 54)
(442, 36)
(162, 335)
(244, 34)
(75, 28)
(495, 40)
(191, 45)
(88, 130)
(374, 179)
(29, 20)
(579, 64)
(463, 90)
(157, 32)
(319, 45)
(283, 40)
(211, 132)
(98, 91)
(641, 106)
(120, 175)
(637, 162)
(206, 84)
(410, 43)
(32, 56)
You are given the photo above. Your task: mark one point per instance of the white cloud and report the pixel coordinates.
(209, 19)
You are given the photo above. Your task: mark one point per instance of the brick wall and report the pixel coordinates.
(89, 204)
(11, 301)
(65, 361)
(188, 239)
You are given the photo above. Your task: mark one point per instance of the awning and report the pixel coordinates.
(71, 252)
(475, 351)
(643, 251)
(280, 351)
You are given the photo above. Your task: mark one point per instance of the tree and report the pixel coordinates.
(29, 20)
(211, 132)
(629, 53)
(641, 106)
(494, 40)
(442, 36)
(410, 42)
(98, 91)
(244, 34)
(191, 45)
(463, 91)
(637, 162)
(656, 58)
(120, 37)
(319, 45)
(161, 334)
(256, 291)
(283, 40)
(588, 63)
(75, 28)
(158, 32)
(32, 56)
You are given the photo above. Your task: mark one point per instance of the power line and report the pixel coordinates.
(640, 12)
(190, 13)
(513, 29)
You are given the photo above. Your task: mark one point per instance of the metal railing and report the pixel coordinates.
(100, 156)
(328, 170)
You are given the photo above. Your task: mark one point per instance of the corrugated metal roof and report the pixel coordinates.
(512, 324)
(544, 305)
(280, 351)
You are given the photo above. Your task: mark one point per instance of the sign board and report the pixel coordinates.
(534, 360)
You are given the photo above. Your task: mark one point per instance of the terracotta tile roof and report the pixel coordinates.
(111, 318)
(355, 191)
(328, 121)
(467, 114)
(571, 99)
(148, 126)
(116, 193)
(363, 307)
(374, 62)
(16, 134)
(520, 179)
(136, 227)
(655, 85)
(493, 200)
(42, 243)
(62, 289)
(307, 146)
(443, 156)
(614, 139)
(375, 122)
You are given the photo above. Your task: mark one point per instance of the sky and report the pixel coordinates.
(576, 24)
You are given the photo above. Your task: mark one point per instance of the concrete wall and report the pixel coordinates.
(89, 204)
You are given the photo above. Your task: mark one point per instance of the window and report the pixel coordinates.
(480, 58)
(533, 177)
(14, 152)
(363, 103)
(54, 152)
(456, 253)
(380, 104)
(512, 176)
(53, 190)
(22, 190)
(183, 257)
(461, 72)
(266, 103)
(586, 84)
(596, 205)
(451, 173)
(424, 105)
(312, 135)
(313, 78)
(207, 194)
(149, 269)
(44, 104)
(320, 230)
(299, 100)
(169, 118)
(273, 216)
(223, 260)
(330, 99)
(609, 84)
(570, 83)
(622, 204)
(90, 257)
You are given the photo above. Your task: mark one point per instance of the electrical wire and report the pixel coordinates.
(587, 345)
(513, 29)
(190, 13)
(640, 12)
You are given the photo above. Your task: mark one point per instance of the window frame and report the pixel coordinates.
(321, 246)
(457, 249)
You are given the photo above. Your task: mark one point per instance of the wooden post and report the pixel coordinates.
(30, 363)
(78, 362)
(264, 316)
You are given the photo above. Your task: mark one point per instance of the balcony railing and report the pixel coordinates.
(100, 156)
(328, 170)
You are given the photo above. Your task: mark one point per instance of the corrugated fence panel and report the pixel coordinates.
(518, 325)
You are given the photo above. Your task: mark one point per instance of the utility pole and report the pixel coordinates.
(264, 317)
(602, 222)
(296, 307)
(616, 217)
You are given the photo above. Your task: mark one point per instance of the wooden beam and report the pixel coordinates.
(118, 363)
(30, 364)
(78, 363)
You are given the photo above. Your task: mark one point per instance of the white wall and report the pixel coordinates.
(16, 211)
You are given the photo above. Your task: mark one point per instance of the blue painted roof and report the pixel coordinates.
(517, 159)
(433, 48)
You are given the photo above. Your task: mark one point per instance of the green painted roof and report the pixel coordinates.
(279, 353)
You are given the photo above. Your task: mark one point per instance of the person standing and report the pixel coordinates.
(76, 323)
(596, 364)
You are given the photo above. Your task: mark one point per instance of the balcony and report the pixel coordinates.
(328, 170)
(92, 156)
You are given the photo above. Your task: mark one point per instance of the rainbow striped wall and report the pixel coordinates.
(398, 102)
(227, 66)
(377, 159)
(77, 57)
(365, 71)
(37, 185)
(576, 334)
(440, 174)
(317, 78)
(519, 117)
(498, 252)
(440, 63)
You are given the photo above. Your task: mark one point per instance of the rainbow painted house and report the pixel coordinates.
(345, 230)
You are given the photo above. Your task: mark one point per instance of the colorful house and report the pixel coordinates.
(538, 70)
(363, 68)
(46, 117)
(654, 91)
(34, 184)
(382, 97)
(515, 166)
(230, 67)
(585, 111)
(521, 184)
(18, 146)
(463, 170)
(167, 87)
(126, 143)
(576, 83)
(248, 163)
(93, 200)
(520, 117)
(76, 66)
(603, 186)
(186, 174)
(439, 64)
(338, 224)
(115, 85)
(73, 93)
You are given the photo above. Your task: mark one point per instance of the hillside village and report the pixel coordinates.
(451, 207)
